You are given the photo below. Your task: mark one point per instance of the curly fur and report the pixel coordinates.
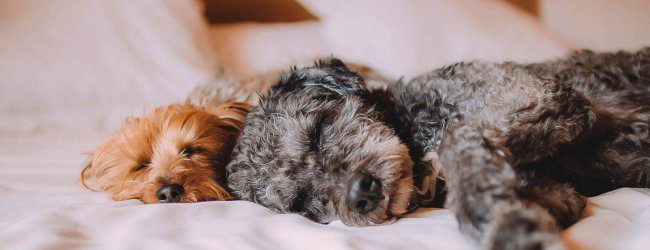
(300, 139)
(518, 146)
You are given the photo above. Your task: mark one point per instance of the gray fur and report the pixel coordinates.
(519, 146)
(225, 87)
(290, 160)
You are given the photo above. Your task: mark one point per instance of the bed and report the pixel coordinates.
(71, 71)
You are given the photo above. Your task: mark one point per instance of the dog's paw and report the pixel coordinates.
(530, 228)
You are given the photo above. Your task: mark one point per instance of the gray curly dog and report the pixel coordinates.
(513, 148)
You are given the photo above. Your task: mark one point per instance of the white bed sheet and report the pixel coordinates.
(42, 206)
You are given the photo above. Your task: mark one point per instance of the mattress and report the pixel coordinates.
(43, 206)
(70, 73)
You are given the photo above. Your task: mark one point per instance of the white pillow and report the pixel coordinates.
(409, 37)
(71, 63)
(247, 49)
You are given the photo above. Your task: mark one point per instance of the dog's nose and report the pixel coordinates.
(364, 193)
(170, 193)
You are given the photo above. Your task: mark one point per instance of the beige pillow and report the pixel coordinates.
(247, 49)
(410, 37)
(87, 64)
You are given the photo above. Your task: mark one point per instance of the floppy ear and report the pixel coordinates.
(330, 74)
(339, 79)
(232, 114)
(332, 62)
(84, 173)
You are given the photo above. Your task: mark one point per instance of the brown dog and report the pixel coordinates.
(177, 153)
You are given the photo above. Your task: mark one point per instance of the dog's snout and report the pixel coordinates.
(364, 193)
(170, 193)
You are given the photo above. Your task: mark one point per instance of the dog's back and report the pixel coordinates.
(616, 150)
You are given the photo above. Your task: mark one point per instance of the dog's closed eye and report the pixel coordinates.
(316, 134)
(299, 203)
(315, 137)
(189, 151)
(140, 167)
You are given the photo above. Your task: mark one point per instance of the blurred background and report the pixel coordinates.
(73, 64)
(595, 24)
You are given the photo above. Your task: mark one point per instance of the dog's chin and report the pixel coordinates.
(378, 216)
(394, 206)
(186, 198)
(192, 194)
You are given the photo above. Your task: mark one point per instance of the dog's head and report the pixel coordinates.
(316, 146)
(176, 153)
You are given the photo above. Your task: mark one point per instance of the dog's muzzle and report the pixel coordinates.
(364, 193)
(170, 193)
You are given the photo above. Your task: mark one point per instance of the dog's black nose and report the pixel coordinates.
(364, 193)
(170, 193)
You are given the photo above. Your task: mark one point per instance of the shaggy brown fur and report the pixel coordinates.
(176, 153)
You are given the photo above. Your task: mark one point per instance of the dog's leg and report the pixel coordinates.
(519, 118)
(482, 191)
(479, 159)
(560, 199)
(526, 224)
(559, 116)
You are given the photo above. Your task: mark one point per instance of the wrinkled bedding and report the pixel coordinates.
(43, 206)
(70, 72)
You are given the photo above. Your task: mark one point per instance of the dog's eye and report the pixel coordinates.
(139, 167)
(299, 203)
(189, 151)
(316, 135)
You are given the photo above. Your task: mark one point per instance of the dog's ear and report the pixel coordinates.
(332, 62)
(84, 173)
(338, 78)
(330, 74)
(232, 114)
